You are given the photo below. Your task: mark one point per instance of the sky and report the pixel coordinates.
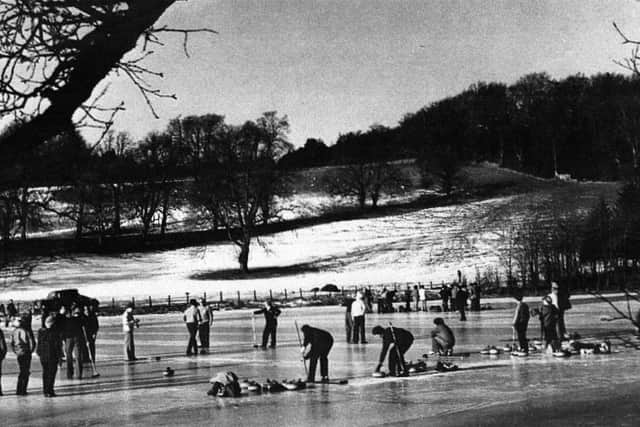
(339, 66)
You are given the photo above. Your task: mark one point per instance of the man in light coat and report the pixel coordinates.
(358, 310)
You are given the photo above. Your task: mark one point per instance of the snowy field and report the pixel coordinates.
(426, 245)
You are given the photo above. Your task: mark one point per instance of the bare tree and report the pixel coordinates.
(232, 189)
(53, 54)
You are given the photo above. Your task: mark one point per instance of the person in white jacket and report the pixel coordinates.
(358, 309)
(128, 323)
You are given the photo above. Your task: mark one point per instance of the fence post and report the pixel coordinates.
(113, 304)
(285, 294)
(149, 301)
(255, 297)
(238, 297)
(133, 301)
(270, 294)
(301, 293)
(221, 297)
(168, 300)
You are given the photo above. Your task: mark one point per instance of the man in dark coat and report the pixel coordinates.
(48, 349)
(550, 315)
(521, 322)
(271, 314)
(319, 344)
(445, 294)
(73, 342)
(461, 301)
(397, 341)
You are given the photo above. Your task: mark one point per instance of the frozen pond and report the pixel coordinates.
(581, 390)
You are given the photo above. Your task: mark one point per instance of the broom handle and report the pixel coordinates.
(395, 345)
(306, 372)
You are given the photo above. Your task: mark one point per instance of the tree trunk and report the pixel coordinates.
(243, 257)
(362, 200)
(165, 211)
(24, 212)
(116, 209)
(80, 219)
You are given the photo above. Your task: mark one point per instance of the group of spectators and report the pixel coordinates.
(67, 334)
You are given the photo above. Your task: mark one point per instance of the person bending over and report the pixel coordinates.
(319, 343)
(397, 341)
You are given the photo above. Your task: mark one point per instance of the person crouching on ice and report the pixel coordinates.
(319, 342)
(442, 338)
(401, 340)
(224, 384)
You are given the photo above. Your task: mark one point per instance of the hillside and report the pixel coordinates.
(410, 244)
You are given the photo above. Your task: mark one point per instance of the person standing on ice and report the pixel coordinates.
(3, 353)
(550, 315)
(192, 319)
(319, 344)
(48, 349)
(22, 344)
(271, 314)
(461, 301)
(396, 341)
(73, 343)
(560, 300)
(204, 328)
(358, 310)
(128, 323)
(445, 294)
(348, 321)
(521, 322)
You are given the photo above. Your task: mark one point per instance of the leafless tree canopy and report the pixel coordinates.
(53, 54)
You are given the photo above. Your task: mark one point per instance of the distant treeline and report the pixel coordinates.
(588, 127)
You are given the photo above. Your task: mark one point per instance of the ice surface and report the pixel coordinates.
(486, 391)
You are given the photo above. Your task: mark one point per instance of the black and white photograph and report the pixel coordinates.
(319, 213)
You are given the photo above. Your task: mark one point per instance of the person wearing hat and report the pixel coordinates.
(128, 323)
(192, 319)
(48, 349)
(358, 309)
(442, 338)
(319, 344)
(23, 345)
(396, 341)
(3, 353)
(204, 328)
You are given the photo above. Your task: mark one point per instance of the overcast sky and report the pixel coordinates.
(338, 66)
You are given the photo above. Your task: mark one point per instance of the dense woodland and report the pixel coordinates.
(587, 127)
